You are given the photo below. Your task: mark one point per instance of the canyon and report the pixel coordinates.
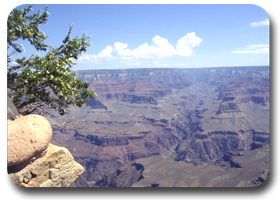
(170, 127)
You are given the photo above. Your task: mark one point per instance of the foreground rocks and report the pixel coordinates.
(27, 137)
(32, 161)
(54, 167)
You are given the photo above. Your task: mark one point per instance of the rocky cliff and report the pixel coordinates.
(54, 167)
(123, 177)
(215, 144)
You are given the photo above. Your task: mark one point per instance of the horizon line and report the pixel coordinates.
(176, 68)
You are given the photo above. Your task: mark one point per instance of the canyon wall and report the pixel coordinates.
(193, 116)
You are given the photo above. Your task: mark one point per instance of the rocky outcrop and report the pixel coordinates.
(241, 91)
(96, 167)
(123, 177)
(232, 92)
(229, 154)
(216, 144)
(262, 177)
(227, 161)
(242, 99)
(95, 104)
(161, 93)
(228, 107)
(54, 167)
(231, 99)
(106, 141)
(258, 99)
(132, 98)
(167, 140)
(32, 161)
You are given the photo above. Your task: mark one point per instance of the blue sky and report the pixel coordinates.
(143, 36)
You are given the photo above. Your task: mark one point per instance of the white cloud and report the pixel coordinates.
(105, 53)
(145, 54)
(122, 50)
(162, 47)
(260, 23)
(254, 49)
(186, 43)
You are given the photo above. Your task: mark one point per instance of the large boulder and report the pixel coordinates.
(27, 137)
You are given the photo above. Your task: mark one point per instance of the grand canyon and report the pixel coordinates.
(167, 127)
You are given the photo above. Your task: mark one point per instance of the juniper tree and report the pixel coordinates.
(39, 83)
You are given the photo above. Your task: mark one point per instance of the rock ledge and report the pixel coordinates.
(54, 167)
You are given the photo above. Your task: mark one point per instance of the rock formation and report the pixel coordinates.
(123, 177)
(32, 161)
(11, 109)
(185, 117)
(54, 167)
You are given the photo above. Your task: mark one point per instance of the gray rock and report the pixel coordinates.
(11, 109)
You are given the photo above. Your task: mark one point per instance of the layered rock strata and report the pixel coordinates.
(123, 177)
(215, 144)
(54, 167)
(191, 116)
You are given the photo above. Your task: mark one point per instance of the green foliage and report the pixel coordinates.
(40, 83)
